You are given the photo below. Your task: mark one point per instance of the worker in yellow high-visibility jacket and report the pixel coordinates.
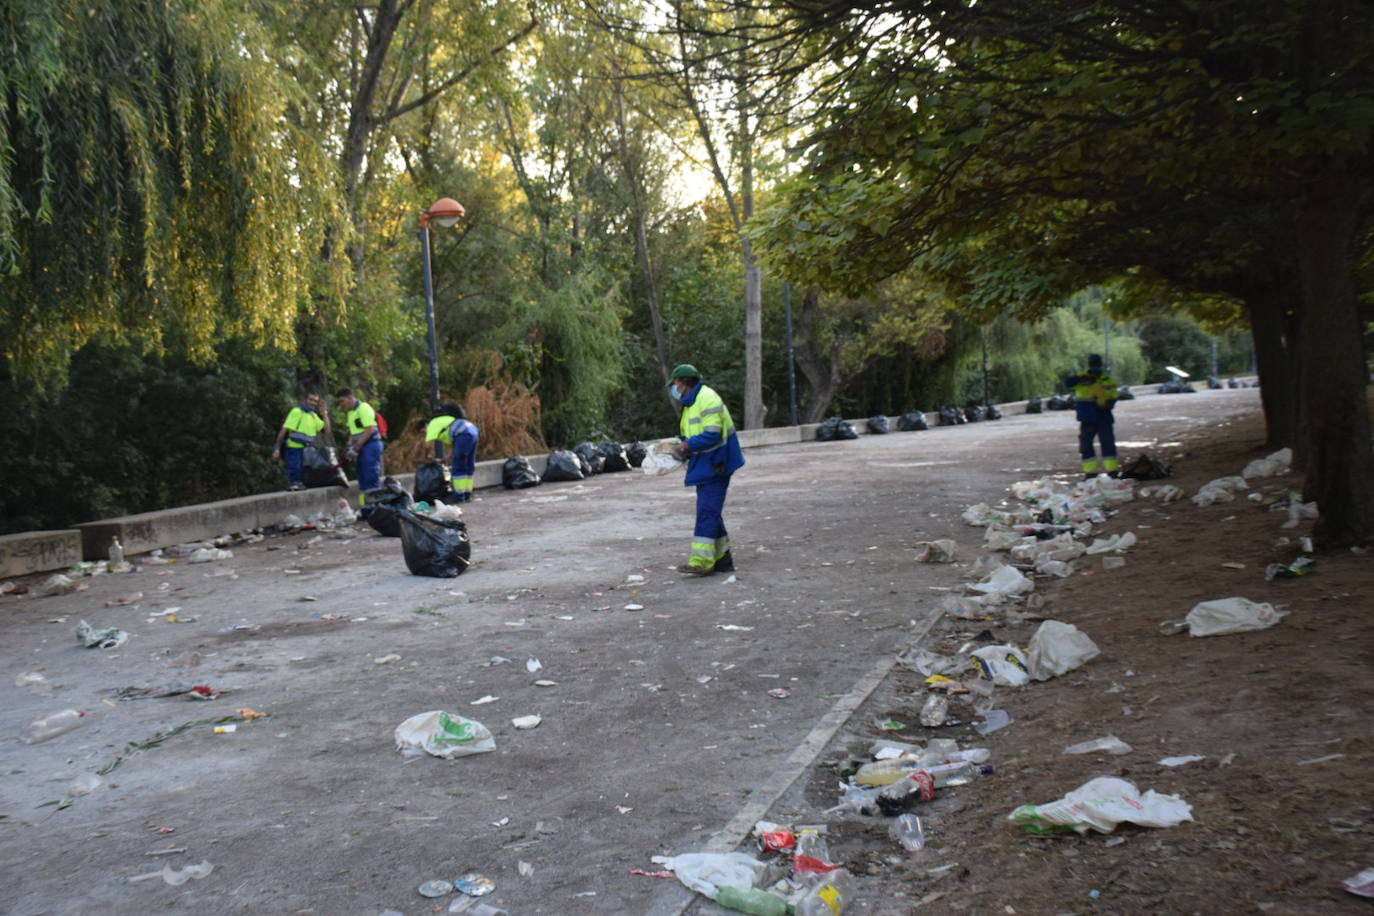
(1094, 395)
(452, 427)
(302, 425)
(712, 451)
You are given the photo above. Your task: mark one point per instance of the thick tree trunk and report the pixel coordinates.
(1275, 361)
(1340, 467)
(754, 409)
(822, 369)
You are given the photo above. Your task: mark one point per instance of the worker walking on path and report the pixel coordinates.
(453, 428)
(364, 444)
(1094, 397)
(302, 425)
(712, 451)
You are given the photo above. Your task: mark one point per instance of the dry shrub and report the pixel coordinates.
(506, 412)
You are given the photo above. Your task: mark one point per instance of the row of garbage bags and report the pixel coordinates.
(836, 428)
(577, 463)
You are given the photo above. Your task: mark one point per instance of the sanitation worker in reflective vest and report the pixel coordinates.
(711, 449)
(364, 444)
(1094, 395)
(300, 428)
(451, 427)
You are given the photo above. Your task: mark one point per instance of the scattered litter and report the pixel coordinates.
(126, 599)
(1328, 757)
(1222, 616)
(634, 607)
(1005, 666)
(386, 659)
(1362, 884)
(443, 734)
(177, 877)
(533, 665)
(1272, 466)
(209, 555)
(190, 691)
(1111, 744)
(889, 725)
(942, 551)
(1180, 761)
(1058, 648)
(59, 585)
(780, 692)
(906, 829)
(1006, 580)
(474, 884)
(226, 729)
(707, 872)
(1100, 804)
(993, 720)
(524, 868)
(37, 683)
(1221, 490)
(84, 784)
(108, 638)
(484, 700)
(526, 721)
(734, 627)
(437, 888)
(1302, 566)
(545, 683)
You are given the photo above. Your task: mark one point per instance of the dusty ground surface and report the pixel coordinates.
(660, 733)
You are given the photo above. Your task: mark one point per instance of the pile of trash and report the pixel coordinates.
(796, 874)
(338, 524)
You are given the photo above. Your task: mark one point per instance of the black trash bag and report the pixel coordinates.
(433, 482)
(1124, 393)
(973, 413)
(1146, 467)
(1177, 386)
(563, 465)
(879, 425)
(833, 429)
(591, 456)
(434, 547)
(320, 467)
(991, 412)
(1035, 405)
(518, 474)
(616, 459)
(1213, 383)
(951, 416)
(383, 503)
(637, 452)
(1059, 402)
(909, 422)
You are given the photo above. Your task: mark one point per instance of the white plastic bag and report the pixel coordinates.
(1058, 648)
(659, 459)
(942, 551)
(1221, 490)
(1110, 743)
(1100, 804)
(1006, 580)
(1003, 665)
(707, 872)
(1115, 542)
(1273, 465)
(444, 734)
(1221, 616)
(980, 515)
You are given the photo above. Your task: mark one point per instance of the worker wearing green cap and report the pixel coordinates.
(712, 451)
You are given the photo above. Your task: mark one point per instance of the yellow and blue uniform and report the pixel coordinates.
(302, 425)
(1094, 397)
(461, 436)
(365, 439)
(714, 455)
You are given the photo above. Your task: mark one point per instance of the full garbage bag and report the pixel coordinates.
(433, 482)
(951, 416)
(444, 734)
(591, 455)
(1035, 405)
(1059, 402)
(385, 502)
(659, 458)
(563, 465)
(1222, 616)
(914, 421)
(435, 547)
(1058, 648)
(973, 413)
(833, 429)
(992, 412)
(879, 424)
(636, 452)
(320, 467)
(615, 456)
(1100, 804)
(518, 474)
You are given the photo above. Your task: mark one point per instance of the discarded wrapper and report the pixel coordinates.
(443, 734)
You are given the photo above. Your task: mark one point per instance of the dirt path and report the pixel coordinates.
(660, 729)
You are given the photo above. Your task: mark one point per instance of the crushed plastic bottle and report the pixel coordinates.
(906, 829)
(752, 900)
(827, 896)
(935, 710)
(52, 726)
(116, 553)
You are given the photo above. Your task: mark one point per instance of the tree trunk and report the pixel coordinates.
(754, 409)
(822, 369)
(1274, 360)
(1340, 467)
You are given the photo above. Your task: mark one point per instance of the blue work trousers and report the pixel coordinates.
(1100, 429)
(291, 456)
(369, 467)
(710, 505)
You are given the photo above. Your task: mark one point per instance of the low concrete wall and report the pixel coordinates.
(38, 551)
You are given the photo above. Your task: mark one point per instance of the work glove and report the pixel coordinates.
(680, 451)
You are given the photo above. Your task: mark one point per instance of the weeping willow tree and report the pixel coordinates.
(153, 192)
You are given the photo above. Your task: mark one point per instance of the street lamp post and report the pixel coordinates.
(444, 212)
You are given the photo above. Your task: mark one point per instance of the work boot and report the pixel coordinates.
(690, 570)
(296, 486)
(725, 563)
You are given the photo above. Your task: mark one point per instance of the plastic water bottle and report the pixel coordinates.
(886, 772)
(752, 900)
(958, 773)
(827, 896)
(116, 553)
(52, 726)
(935, 710)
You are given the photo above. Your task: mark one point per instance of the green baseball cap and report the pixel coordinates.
(686, 370)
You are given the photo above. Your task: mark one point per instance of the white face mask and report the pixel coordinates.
(673, 392)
